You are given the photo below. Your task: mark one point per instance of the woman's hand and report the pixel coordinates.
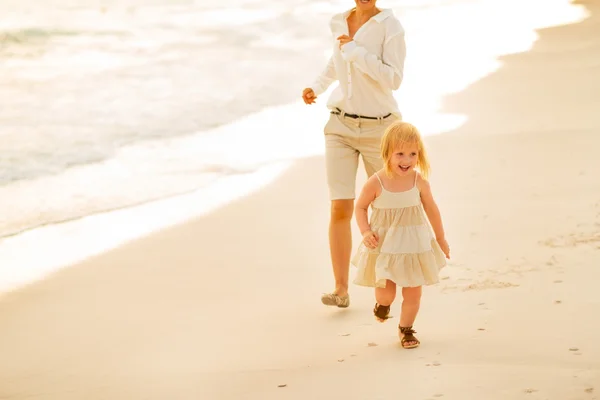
(370, 239)
(445, 247)
(344, 39)
(308, 95)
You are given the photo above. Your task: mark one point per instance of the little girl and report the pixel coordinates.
(399, 247)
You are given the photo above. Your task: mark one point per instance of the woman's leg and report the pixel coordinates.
(411, 301)
(341, 160)
(340, 243)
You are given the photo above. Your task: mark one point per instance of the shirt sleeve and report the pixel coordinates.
(327, 77)
(389, 70)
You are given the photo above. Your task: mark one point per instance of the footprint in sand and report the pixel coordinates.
(552, 261)
(589, 390)
(489, 284)
(486, 284)
(435, 364)
(575, 351)
(573, 240)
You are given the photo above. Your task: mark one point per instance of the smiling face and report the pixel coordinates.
(404, 159)
(365, 5)
(402, 150)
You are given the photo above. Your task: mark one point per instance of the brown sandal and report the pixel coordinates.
(407, 333)
(381, 312)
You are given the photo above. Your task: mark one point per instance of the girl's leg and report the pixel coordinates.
(384, 297)
(411, 301)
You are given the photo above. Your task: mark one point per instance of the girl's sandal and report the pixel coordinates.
(381, 312)
(407, 333)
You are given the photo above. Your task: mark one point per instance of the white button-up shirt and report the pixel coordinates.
(368, 69)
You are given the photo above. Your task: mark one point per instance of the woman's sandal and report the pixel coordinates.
(381, 312)
(333, 299)
(407, 333)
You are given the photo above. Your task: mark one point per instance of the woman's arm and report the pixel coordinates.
(431, 209)
(389, 70)
(327, 77)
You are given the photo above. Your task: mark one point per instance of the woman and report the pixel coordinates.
(368, 62)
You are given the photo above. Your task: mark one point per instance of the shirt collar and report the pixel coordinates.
(385, 12)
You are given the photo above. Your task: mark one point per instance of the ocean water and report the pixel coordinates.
(99, 96)
(109, 104)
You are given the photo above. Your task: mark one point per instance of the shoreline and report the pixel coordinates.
(53, 244)
(75, 240)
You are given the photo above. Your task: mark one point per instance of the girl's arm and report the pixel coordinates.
(367, 195)
(431, 209)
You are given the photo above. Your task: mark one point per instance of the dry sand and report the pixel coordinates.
(227, 306)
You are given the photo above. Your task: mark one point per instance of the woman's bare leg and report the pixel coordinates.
(340, 243)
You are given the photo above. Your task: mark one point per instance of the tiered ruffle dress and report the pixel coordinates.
(408, 253)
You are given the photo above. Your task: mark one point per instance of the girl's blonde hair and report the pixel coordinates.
(396, 136)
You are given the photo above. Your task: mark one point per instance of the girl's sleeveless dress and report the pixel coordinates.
(408, 253)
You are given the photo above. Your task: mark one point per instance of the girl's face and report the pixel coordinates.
(404, 159)
(365, 5)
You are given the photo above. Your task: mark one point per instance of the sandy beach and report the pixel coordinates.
(227, 306)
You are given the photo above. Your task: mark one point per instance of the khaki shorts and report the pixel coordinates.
(345, 139)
